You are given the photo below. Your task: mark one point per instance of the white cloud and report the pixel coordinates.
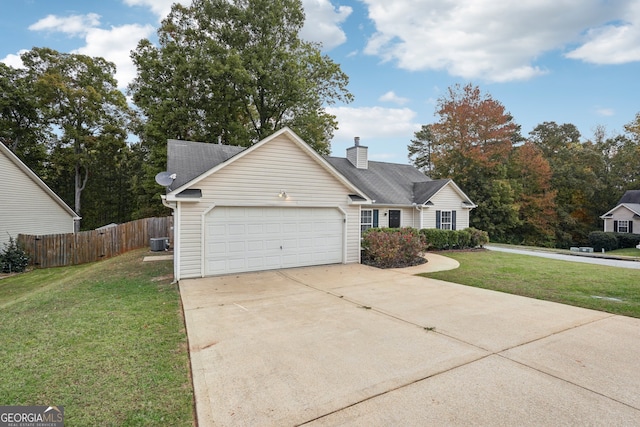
(73, 24)
(392, 97)
(613, 43)
(606, 112)
(160, 8)
(495, 41)
(373, 123)
(115, 45)
(322, 23)
(14, 60)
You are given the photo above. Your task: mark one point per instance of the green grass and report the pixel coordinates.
(105, 340)
(632, 252)
(584, 285)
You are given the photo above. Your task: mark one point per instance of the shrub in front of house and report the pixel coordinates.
(600, 240)
(392, 247)
(627, 240)
(13, 259)
(442, 240)
(479, 238)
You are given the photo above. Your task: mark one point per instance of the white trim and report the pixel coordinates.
(177, 247)
(344, 233)
(203, 233)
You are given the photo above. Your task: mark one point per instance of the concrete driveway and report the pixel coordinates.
(355, 345)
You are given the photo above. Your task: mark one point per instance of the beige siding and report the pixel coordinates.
(255, 180)
(446, 200)
(26, 207)
(409, 217)
(622, 214)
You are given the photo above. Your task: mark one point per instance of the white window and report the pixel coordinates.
(623, 226)
(445, 221)
(366, 219)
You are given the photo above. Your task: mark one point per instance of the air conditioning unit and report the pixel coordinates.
(159, 244)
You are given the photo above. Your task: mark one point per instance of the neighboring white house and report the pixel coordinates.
(279, 204)
(625, 217)
(29, 206)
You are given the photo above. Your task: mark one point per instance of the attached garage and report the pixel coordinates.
(277, 204)
(240, 239)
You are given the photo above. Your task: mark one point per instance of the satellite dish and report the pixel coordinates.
(165, 178)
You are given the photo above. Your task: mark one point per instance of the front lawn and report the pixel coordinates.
(632, 252)
(105, 340)
(610, 289)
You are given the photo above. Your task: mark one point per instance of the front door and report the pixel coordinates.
(394, 219)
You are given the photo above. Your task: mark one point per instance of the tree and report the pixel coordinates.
(471, 143)
(233, 72)
(574, 177)
(420, 149)
(530, 172)
(22, 127)
(79, 97)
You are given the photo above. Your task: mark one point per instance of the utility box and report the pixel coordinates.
(159, 244)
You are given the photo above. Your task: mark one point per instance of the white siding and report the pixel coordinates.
(447, 199)
(26, 207)
(255, 180)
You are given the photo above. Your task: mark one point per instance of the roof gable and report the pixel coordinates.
(31, 175)
(633, 207)
(222, 156)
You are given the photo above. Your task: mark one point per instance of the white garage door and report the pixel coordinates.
(241, 239)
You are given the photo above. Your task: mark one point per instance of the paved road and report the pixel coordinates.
(573, 258)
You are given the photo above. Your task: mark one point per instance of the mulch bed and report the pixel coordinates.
(412, 263)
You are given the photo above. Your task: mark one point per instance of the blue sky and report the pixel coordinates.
(568, 61)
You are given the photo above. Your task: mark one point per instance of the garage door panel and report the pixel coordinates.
(259, 238)
(254, 229)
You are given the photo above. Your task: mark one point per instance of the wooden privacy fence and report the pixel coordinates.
(57, 250)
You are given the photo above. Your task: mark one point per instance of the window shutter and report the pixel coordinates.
(631, 226)
(438, 219)
(453, 220)
(376, 213)
(615, 226)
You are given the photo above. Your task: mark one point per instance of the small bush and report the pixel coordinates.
(441, 240)
(626, 240)
(13, 259)
(437, 239)
(600, 240)
(479, 238)
(463, 238)
(392, 247)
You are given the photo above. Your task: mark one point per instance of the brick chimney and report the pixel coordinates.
(358, 154)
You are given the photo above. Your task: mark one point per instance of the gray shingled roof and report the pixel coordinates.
(189, 160)
(631, 196)
(386, 183)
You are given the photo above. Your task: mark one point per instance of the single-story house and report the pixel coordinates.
(29, 206)
(280, 204)
(625, 217)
